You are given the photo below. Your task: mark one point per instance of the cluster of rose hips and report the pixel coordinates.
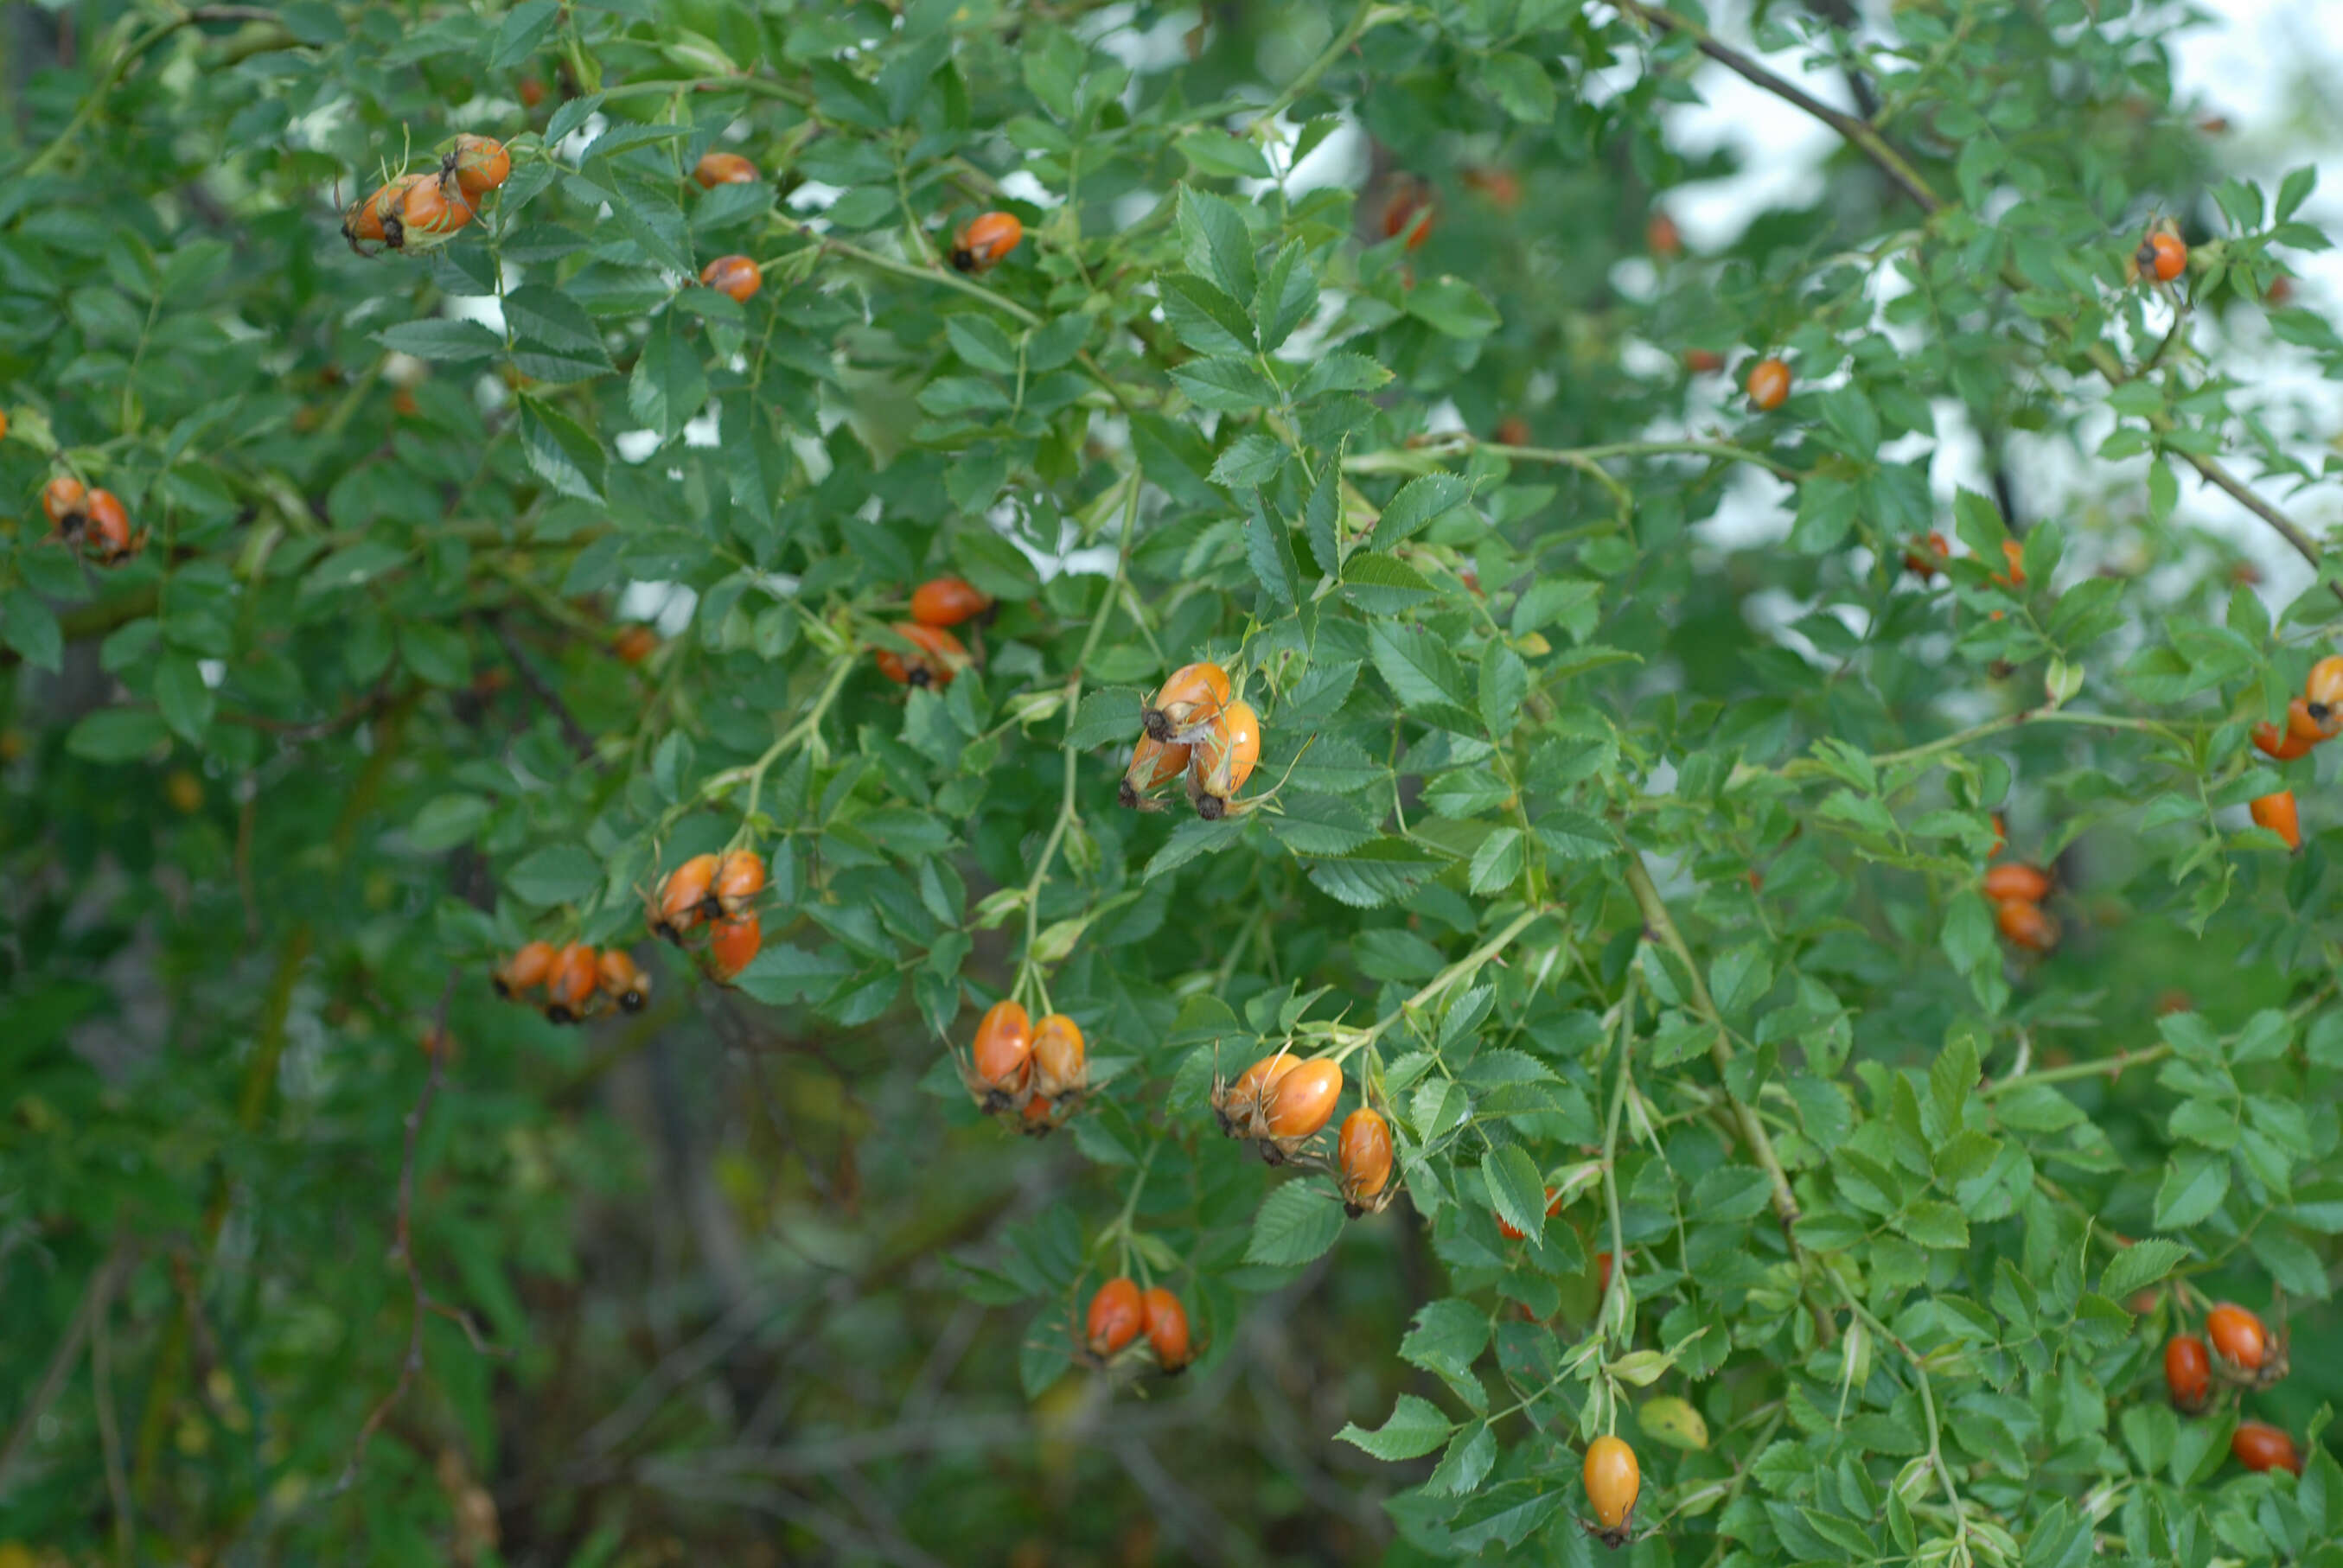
(578, 982)
(430, 205)
(1193, 731)
(94, 522)
(1924, 557)
(1120, 1312)
(2245, 1356)
(717, 893)
(1031, 1075)
(1282, 1101)
(936, 605)
(2015, 891)
(2311, 719)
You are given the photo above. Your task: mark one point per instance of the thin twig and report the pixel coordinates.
(1868, 140)
(109, 1435)
(571, 730)
(95, 1297)
(402, 1248)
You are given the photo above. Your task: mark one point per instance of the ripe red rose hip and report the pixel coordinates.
(2259, 1446)
(1363, 1149)
(947, 601)
(1167, 1331)
(2276, 812)
(2187, 1372)
(2238, 1336)
(1769, 385)
(2014, 880)
(1118, 1312)
(988, 237)
(1303, 1101)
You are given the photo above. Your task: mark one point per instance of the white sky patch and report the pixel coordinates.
(2262, 64)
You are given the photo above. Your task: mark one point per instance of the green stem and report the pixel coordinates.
(1808, 768)
(2111, 1067)
(1927, 1406)
(838, 671)
(1121, 1229)
(1369, 14)
(1611, 1146)
(116, 68)
(1440, 982)
(950, 280)
(1720, 1047)
(1067, 810)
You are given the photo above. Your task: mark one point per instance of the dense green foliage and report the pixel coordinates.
(1611, 851)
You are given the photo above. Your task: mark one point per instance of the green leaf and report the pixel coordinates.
(1852, 421)
(438, 653)
(1504, 687)
(978, 339)
(1287, 295)
(1517, 84)
(1497, 863)
(1341, 372)
(1226, 384)
(1219, 154)
(1417, 665)
(1472, 1453)
(30, 627)
(1203, 317)
(1252, 460)
(523, 33)
(447, 821)
(1466, 792)
(668, 386)
(437, 338)
(1415, 1427)
(557, 874)
(553, 338)
(1271, 551)
(1576, 836)
(561, 451)
(1453, 307)
(1382, 585)
(1418, 504)
(781, 974)
(571, 114)
(1936, 1225)
(1515, 1188)
(2139, 1265)
(1193, 837)
(1109, 714)
(1297, 1222)
(186, 703)
(1446, 1339)
(2294, 190)
(116, 735)
(1216, 242)
(1573, 602)
(2193, 1187)
(1375, 874)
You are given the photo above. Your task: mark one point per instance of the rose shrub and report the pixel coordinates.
(1649, 645)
